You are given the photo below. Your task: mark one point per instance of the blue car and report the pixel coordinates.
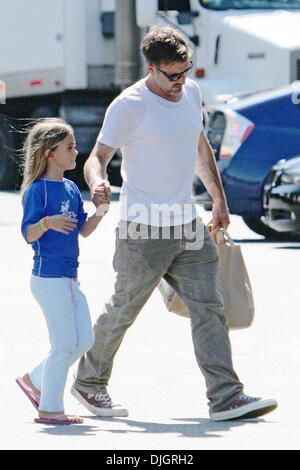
(249, 135)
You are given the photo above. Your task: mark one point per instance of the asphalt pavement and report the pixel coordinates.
(155, 373)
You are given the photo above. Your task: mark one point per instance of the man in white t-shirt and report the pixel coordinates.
(157, 124)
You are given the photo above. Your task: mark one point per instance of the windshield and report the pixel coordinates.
(250, 4)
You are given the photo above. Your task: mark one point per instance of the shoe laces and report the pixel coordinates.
(246, 398)
(102, 396)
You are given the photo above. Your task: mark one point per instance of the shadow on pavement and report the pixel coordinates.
(189, 427)
(70, 430)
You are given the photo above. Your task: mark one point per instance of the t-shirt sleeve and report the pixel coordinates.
(33, 207)
(82, 214)
(118, 126)
(199, 100)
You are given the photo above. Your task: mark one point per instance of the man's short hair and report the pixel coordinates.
(165, 45)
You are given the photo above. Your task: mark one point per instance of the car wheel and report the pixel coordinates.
(258, 226)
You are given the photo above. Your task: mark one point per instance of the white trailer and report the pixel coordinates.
(57, 58)
(55, 45)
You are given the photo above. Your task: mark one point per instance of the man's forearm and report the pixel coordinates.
(94, 170)
(208, 172)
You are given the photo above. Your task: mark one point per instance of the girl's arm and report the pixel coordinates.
(92, 222)
(60, 223)
(90, 225)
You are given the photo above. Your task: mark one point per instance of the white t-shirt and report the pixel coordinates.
(158, 140)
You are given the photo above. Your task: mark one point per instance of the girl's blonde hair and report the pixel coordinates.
(45, 135)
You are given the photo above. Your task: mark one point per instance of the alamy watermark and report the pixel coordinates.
(2, 92)
(161, 222)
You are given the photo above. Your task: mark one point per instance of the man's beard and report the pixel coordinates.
(176, 89)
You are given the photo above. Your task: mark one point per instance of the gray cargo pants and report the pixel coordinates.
(192, 270)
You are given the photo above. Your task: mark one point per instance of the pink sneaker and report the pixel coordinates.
(244, 407)
(98, 403)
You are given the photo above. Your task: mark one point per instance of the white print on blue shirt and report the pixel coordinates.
(65, 209)
(55, 253)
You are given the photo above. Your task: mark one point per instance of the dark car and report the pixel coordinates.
(249, 136)
(282, 198)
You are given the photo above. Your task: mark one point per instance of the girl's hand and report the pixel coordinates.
(103, 189)
(102, 209)
(62, 223)
(98, 197)
(100, 201)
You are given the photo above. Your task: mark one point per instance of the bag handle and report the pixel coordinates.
(221, 236)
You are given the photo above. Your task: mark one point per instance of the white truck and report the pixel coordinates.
(240, 46)
(70, 58)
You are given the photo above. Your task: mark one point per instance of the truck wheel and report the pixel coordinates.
(8, 167)
(258, 226)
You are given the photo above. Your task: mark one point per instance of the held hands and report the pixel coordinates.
(62, 223)
(100, 197)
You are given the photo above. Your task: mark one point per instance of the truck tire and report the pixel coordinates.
(258, 226)
(8, 167)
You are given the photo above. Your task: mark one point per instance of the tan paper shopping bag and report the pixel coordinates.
(236, 286)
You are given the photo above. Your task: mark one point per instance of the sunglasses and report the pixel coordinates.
(176, 76)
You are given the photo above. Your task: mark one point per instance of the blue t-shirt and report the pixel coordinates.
(55, 254)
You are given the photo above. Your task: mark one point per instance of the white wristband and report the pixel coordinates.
(100, 212)
(102, 209)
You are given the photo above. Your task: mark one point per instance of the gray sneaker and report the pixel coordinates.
(98, 403)
(244, 407)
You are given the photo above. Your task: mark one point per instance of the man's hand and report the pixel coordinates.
(220, 215)
(101, 189)
(100, 195)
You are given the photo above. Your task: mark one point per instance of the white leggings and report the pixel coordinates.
(70, 333)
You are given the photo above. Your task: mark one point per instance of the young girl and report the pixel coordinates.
(53, 218)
